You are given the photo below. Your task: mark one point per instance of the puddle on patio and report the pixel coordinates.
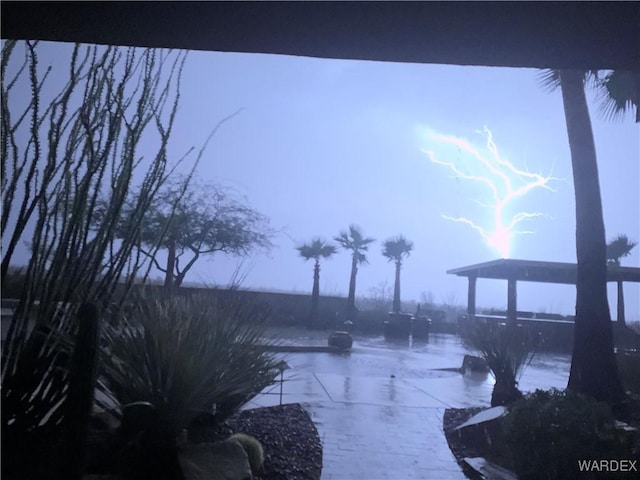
(380, 372)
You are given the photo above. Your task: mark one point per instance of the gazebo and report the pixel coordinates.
(515, 271)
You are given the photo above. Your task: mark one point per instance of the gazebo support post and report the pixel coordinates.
(512, 301)
(620, 316)
(471, 296)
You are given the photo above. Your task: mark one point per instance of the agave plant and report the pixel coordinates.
(508, 350)
(186, 356)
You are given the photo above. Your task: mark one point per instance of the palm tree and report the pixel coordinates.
(317, 249)
(619, 91)
(357, 244)
(396, 249)
(593, 368)
(617, 248)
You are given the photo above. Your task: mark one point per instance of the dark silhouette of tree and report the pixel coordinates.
(353, 241)
(396, 249)
(317, 249)
(594, 370)
(619, 92)
(189, 218)
(617, 248)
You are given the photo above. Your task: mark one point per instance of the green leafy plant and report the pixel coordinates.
(187, 356)
(548, 432)
(507, 349)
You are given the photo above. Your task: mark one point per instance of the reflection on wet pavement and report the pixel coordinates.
(379, 408)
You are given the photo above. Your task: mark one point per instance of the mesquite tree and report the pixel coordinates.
(62, 149)
(189, 218)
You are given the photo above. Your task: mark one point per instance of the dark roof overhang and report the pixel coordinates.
(580, 35)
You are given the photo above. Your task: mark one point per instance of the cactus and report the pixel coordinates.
(80, 396)
(253, 448)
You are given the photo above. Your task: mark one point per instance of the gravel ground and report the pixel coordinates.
(290, 440)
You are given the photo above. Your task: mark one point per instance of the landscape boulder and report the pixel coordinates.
(474, 364)
(215, 461)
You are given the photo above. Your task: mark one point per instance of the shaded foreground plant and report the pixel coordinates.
(60, 150)
(549, 432)
(507, 349)
(187, 356)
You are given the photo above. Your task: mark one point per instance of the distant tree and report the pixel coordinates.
(189, 218)
(396, 249)
(317, 249)
(617, 248)
(353, 241)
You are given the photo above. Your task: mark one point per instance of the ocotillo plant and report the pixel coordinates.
(60, 152)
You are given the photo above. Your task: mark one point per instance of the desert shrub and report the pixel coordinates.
(550, 431)
(507, 349)
(187, 356)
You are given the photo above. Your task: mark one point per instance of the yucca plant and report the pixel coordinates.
(186, 356)
(507, 349)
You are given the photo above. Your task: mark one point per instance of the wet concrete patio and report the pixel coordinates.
(379, 408)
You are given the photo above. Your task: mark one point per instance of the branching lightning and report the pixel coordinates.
(506, 183)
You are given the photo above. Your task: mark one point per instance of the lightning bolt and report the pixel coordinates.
(505, 182)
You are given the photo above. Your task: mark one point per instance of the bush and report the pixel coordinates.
(550, 431)
(187, 356)
(507, 349)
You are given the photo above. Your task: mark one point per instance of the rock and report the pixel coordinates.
(484, 416)
(341, 339)
(254, 450)
(474, 364)
(215, 461)
(487, 469)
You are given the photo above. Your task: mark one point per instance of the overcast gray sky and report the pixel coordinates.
(322, 144)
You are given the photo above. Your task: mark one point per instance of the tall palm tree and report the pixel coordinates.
(353, 241)
(617, 248)
(593, 367)
(396, 249)
(317, 249)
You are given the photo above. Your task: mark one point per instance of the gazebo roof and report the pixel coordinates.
(536, 271)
